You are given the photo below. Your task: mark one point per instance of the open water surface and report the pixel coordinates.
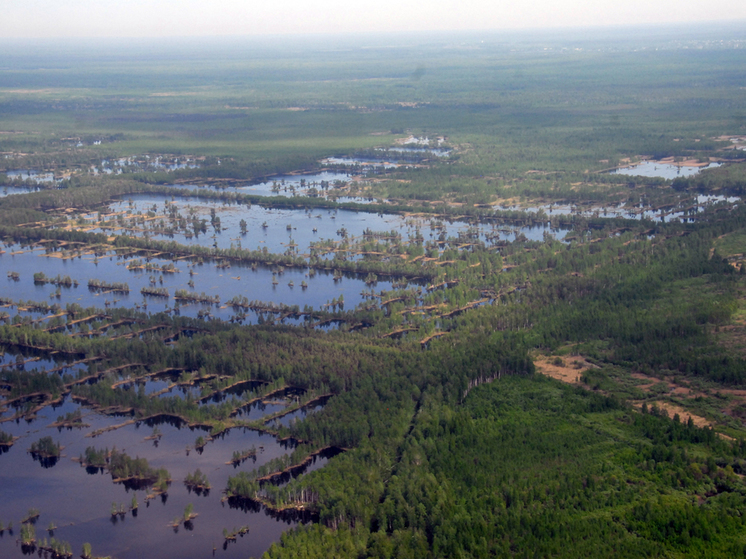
(79, 503)
(662, 170)
(255, 284)
(275, 229)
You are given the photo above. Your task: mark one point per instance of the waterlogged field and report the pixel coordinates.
(279, 229)
(680, 212)
(302, 184)
(7, 191)
(78, 501)
(259, 283)
(663, 170)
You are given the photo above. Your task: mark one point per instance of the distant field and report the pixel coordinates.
(533, 106)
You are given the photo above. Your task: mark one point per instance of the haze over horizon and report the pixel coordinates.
(190, 18)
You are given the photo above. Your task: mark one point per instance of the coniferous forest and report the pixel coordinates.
(451, 295)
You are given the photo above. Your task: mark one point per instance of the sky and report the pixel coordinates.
(185, 18)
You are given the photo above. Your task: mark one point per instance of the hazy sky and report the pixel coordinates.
(162, 18)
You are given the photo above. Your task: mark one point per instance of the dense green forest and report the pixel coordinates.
(579, 395)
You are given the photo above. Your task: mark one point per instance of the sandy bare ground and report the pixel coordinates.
(675, 389)
(673, 409)
(570, 372)
(574, 367)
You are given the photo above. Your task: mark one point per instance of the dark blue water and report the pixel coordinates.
(255, 284)
(79, 503)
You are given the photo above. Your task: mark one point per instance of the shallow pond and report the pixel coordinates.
(637, 212)
(438, 152)
(662, 170)
(142, 164)
(363, 163)
(11, 190)
(282, 185)
(21, 359)
(290, 185)
(79, 503)
(270, 229)
(275, 229)
(29, 174)
(297, 415)
(259, 410)
(238, 280)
